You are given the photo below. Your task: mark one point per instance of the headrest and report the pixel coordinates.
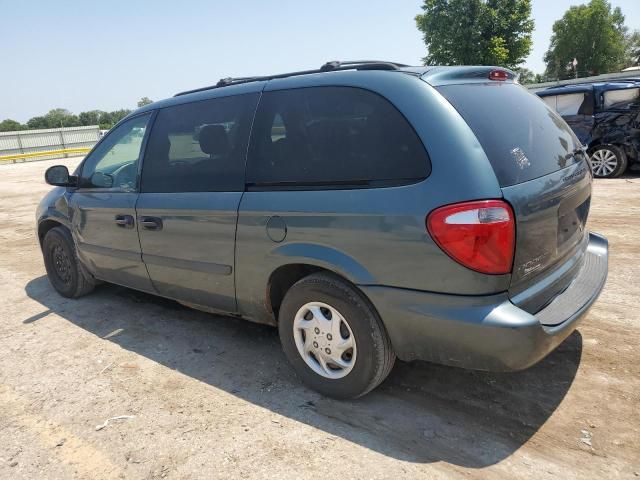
(214, 140)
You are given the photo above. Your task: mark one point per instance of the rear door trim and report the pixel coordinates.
(205, 267)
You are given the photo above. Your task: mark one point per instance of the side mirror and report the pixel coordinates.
(102, 180)
(58, 175)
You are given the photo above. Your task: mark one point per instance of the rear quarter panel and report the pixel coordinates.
(371, 236)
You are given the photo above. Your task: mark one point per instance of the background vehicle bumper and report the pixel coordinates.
(487, 332)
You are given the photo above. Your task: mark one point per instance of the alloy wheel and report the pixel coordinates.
(603, 162)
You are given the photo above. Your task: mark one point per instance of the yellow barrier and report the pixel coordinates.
(64, 151)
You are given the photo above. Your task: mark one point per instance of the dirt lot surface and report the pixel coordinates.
(202, 396)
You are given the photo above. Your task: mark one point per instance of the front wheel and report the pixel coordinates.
(333, 337)
(608, 161)
(64, 269)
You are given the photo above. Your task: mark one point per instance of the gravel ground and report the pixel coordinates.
(204, 396)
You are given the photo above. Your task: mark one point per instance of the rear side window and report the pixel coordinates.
(321, 136)
(622, 99)
(522, 137)
(570, 104)
(551, 100)
(199, 147)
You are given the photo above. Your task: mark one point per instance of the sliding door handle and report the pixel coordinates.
(151, 223)
(125, 221)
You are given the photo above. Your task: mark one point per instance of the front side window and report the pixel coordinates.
(332, 136)
(114, 162)
(200, 146)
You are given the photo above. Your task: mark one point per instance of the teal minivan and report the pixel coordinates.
(369, 210)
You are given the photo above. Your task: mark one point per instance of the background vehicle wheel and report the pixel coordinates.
(65, 271)
(608, 161)
(333, 337)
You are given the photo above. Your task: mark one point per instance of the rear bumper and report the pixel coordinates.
(487, 332)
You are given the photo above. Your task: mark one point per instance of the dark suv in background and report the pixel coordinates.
(367, 209)
(606, 119)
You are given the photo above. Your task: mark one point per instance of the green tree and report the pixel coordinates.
(37, 122)
(632, 49)
(144, 101)
(92, 117)
(106, 122)
(9, 125)
(508, 28)
(593, 34)
(480, 32)
(525, 75)
(118, 115)
(60, 117)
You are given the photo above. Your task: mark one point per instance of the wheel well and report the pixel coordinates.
(282, 279)
(595, 146)
(45, 226)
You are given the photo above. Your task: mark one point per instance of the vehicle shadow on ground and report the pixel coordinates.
(421, 413)
(628, 175)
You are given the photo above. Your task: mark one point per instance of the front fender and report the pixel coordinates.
(54, 206)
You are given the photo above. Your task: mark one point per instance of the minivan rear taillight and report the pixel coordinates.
(479, 235)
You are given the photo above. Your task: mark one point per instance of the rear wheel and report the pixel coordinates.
(333, 337)
(64, 270)
(608, 161)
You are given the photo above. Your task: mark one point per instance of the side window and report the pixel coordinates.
(200, 146)
(332, 136)
(277, 128)
(622, 99)
(114, 163)
(570, 104)
(551, 101)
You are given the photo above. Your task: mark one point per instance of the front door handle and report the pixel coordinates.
(124, 221)
(151, 223)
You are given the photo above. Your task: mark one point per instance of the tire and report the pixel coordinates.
(608, 161)
(64, 269)
(368, 361)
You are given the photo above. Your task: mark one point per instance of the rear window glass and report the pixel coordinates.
(332, 135)
(522, 137)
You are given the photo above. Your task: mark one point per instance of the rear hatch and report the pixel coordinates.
(543, 174)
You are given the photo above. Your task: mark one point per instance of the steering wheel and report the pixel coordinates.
(124, 175)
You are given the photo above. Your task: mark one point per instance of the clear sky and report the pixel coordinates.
(84, 55)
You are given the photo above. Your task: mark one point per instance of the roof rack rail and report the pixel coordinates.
(591, 82)
(361, 65)
(331, 66)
